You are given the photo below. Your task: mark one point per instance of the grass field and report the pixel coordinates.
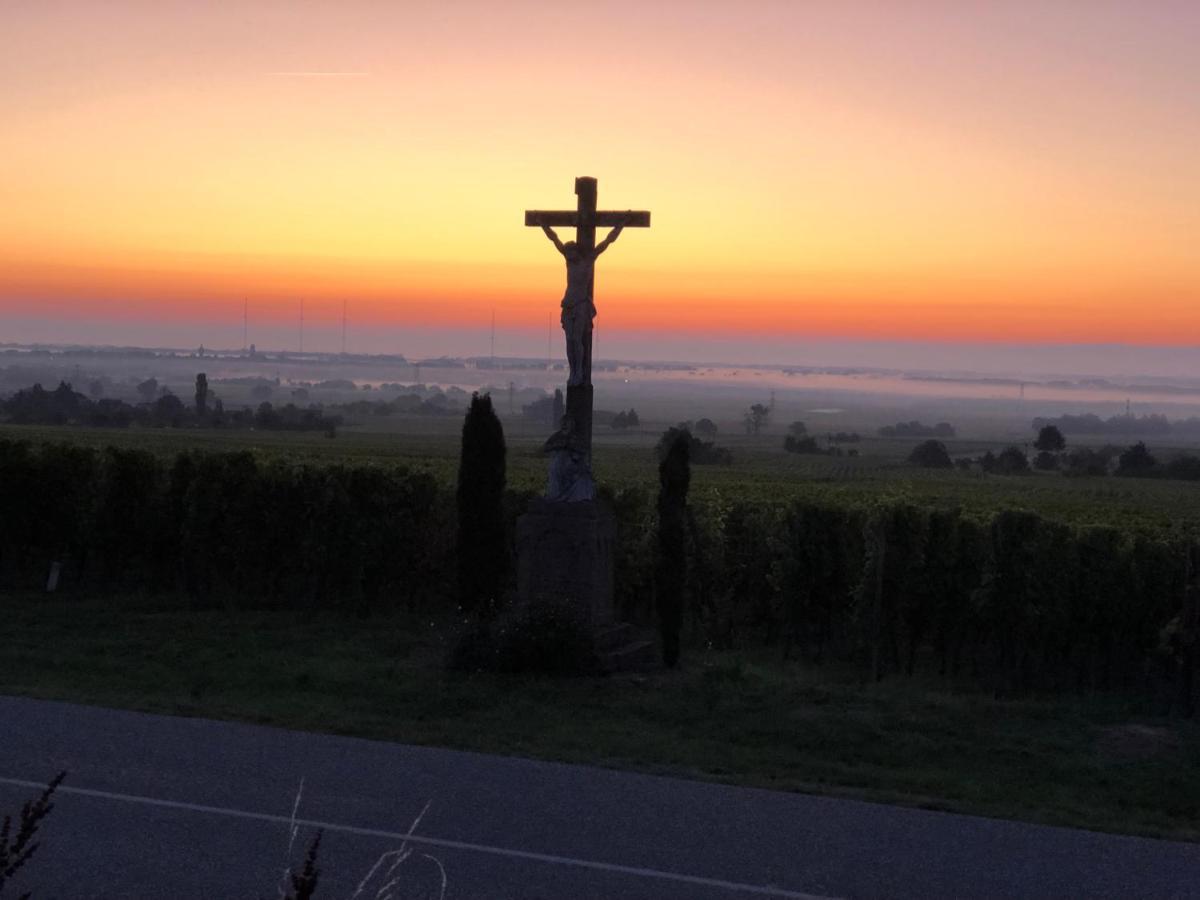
(737, 718)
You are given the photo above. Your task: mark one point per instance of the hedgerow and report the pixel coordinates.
(891, 586)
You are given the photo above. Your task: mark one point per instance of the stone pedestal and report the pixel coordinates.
(565, 553)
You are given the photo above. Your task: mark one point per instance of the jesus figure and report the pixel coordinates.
(578, 310)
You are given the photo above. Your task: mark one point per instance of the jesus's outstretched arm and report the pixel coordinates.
(612, 236)
(554, 237)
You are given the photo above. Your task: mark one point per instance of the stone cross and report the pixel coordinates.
(570, 469)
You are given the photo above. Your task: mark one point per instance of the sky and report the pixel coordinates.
(956, 174)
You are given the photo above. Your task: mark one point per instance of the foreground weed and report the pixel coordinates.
(17, 849)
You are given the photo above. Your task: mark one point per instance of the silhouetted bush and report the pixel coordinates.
(931, 455)
(793, 444)
(1046, 461)
(1184, 468)
(1011, 461)
(1137, 462)
(1084, 461)
(1050, 440)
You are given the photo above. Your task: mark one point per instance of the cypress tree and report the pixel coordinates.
(482, 551)
(674, 474)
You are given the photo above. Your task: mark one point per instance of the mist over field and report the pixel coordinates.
(984, 390)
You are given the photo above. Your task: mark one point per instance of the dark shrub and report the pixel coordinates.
(1046, 461)
(1137, 462)
(1085, 461)
(803, 445)
(1050, 440)
(931, 455)
(1011, 461)
(1184, 468)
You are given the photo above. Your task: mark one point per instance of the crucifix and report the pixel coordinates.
(570, 470)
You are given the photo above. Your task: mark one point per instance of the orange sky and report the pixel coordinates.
(947, 170)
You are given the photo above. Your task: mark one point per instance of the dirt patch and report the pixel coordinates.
(1133, 742)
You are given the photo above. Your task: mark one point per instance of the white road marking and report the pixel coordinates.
(762, 890)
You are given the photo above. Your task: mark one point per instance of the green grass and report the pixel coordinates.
(739, 718)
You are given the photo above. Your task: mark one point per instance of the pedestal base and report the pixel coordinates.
(565, 553)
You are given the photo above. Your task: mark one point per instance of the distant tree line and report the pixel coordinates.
(625, 420)
(1151, 424)
(798, 440)
(66, 406)
(404, 405)
(1134, 461)
(915, 429)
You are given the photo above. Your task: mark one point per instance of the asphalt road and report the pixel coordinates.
(157, 806)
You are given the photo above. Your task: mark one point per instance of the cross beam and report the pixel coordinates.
(584, 218)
